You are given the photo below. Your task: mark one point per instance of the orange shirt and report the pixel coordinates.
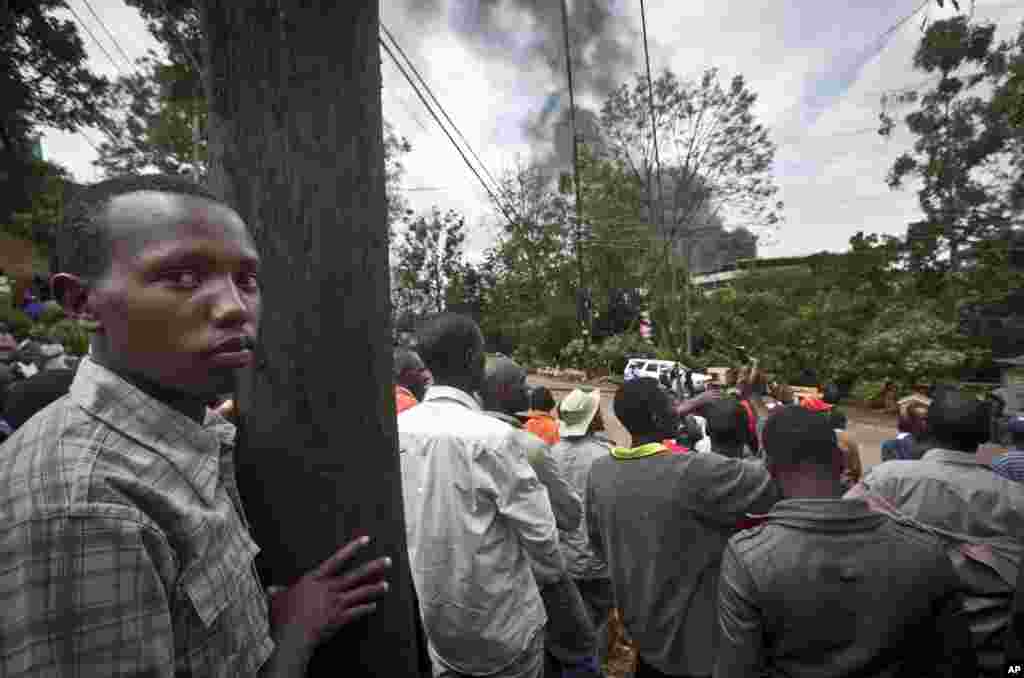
(404, 399)
(542, 425)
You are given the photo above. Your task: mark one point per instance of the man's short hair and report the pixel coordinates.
(636, 404)
(796, 436)
(443, 340)
(405, 360)
(726, 421)
(958, 421)
(83, 246)
(542, 399)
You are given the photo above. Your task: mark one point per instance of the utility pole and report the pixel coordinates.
(296, 146)
(575, 160)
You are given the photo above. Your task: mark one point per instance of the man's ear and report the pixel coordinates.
(73, 294)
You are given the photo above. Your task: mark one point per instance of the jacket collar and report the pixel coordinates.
(953, 457)
(648, 450)
(825, 515)
(193, 450)
(452, 394)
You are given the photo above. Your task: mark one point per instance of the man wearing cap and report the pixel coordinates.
(580, 420)
(1011, 464)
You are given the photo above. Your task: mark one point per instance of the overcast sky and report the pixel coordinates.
(818, 66)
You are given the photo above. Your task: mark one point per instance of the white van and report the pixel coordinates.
(648, 368)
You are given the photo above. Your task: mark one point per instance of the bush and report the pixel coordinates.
(69, 333)
(52, 313)
(18, 321)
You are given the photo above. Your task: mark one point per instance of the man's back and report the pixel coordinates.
(981, 514)
(477, 521)
(661, 523)
(826, 587)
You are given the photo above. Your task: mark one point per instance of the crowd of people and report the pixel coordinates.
(736, 535)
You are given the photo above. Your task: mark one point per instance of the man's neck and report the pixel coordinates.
(463, 385)
(191, 406)
(811, 488)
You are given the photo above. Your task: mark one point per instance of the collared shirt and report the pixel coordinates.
(661, 522)
(404, 399)
(477, 522)
(828, 587)
(123, 550)
(576, 455)
(1010, 465)
(979, 513)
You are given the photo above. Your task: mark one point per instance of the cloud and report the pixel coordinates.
(818, 68)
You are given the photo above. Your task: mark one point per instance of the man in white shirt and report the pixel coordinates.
(478, 520)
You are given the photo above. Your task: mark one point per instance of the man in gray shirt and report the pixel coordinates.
(660, 520)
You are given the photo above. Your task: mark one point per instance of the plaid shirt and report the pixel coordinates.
(123, 549)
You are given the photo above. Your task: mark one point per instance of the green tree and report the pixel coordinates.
(156, 121)
(716, 162)
(968, 156)
(429, 261)
(43, 75)
(39, 220)
(530, 301)
(44, 82)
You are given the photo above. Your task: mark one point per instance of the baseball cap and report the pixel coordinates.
(577, 410)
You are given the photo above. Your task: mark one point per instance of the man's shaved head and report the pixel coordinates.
(84, 244)
(504, 387)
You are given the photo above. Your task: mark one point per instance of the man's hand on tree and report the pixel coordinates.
(328, 597)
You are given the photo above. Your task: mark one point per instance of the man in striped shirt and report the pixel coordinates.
(1011, 464)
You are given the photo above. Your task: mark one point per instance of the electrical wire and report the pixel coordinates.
(433, 98)
(93, 36)
(434, 115)
(110, 35)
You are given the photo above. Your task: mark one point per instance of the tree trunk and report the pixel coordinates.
(296, 146)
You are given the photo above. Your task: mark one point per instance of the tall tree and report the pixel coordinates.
(716, 163)
(969, 154)
(531, 304)
(44, 81)
(296, 143)
(429, 262)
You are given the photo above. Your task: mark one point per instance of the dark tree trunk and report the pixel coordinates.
(296, 146)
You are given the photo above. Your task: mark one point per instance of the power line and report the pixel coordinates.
(430, 92)
(110, 35)
(93, 36)
(430, 110)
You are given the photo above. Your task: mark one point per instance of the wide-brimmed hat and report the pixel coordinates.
(577, 410)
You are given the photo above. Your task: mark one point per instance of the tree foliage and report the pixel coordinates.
(716, 158)
(43, 74)
(968, 155)
(429, 262)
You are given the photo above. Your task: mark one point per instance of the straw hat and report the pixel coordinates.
(577, 410)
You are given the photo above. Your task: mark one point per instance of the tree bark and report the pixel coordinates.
(296, 146)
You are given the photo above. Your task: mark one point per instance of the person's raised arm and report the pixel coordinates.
(732, 488)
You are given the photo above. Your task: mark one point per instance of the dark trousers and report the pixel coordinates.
(645, 670)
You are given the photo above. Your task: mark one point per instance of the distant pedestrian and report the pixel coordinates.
(540, 421)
